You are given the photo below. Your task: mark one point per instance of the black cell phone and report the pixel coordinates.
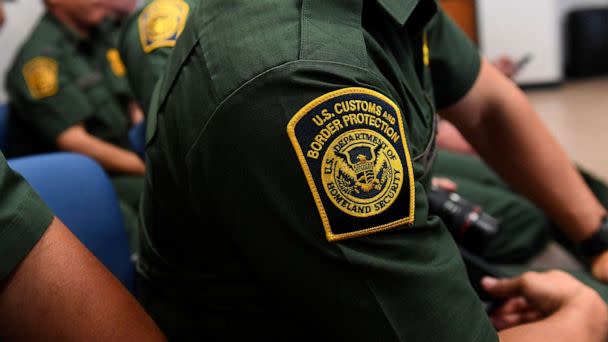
(477, 268)
(519, 65)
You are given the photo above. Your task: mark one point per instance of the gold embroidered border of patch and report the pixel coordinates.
(361, 136)
(42, 77)
(161, 23)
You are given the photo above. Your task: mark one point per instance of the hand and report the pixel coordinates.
(136, 113)
(1, 12)
(599, 267)
(506, 65)
(535, 296)
(445, 184)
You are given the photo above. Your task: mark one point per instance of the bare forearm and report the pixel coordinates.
(111, 157)
(509, 136)
(61, 292)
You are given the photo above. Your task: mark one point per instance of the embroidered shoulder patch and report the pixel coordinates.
(42, 77)
(116, 63)
(161, 23)
(352, 146)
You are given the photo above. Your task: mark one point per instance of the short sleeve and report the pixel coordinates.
(146, 57)
(47, 99)
(23, 219)
(455, 61)
(307, 171)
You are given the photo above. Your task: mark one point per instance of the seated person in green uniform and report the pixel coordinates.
(525, 229)
(147, 40)
(290, 149)
(68, 92)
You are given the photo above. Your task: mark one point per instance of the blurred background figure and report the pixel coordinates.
(68, 92)
(1, 12)
(39, 254)
(147, 41)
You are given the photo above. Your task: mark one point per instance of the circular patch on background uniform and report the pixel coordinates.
(364, 172)
(352, 147)
(161, 23)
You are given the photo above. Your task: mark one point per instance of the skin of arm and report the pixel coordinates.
(501, 125)
(449, 138)
(111, 157)
(551, 306)
(61, 292)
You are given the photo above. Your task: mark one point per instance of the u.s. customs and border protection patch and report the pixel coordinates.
(161, 23)
(41, 75)
(352, 146)
(116, 64)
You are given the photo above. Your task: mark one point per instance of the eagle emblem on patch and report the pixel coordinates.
(42, 77)
(352, 147)
(116, 63)
(161, 23)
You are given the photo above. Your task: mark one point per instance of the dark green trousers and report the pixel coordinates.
(525, 229)
(129, 189)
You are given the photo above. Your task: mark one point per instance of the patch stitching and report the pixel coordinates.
(291, 127)
(42, 77)
(151, 41)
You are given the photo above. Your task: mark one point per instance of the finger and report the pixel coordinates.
(600, 269)
(445, 184)
(501, 322)
(513, 305)
(506, 321)
(532, 316)
(502, 288)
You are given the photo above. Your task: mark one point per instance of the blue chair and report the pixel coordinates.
(79, 192)
(3, 126)
(137, 135)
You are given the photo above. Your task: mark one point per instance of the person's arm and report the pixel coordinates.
(550, 306)
(497, 119)
(449, 138)
(111, 157)
(61, 292)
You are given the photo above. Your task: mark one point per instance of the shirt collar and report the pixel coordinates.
(66, 32)
(400, 10)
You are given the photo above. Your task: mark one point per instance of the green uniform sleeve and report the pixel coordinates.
(454, 60)
(49, 115)
(23, 219)
(402, 284)
(144, 69)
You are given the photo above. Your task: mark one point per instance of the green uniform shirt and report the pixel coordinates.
(287, 172)
(23, 219)
(146, 42)
(59, 80)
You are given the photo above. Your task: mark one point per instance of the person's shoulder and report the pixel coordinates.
(157, 25)
(37, 58)
(241, 39)
(45, 40)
